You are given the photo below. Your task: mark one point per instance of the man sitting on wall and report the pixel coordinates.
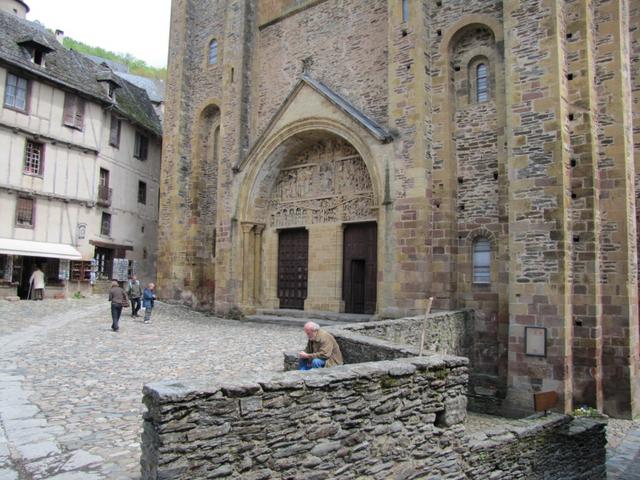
(322, 349)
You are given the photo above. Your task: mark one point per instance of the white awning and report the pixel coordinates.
(9, 246)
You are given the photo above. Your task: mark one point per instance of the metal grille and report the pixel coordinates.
(33, 158)
(24, 212)
(213, 52)
(482, 83)
(482, 261)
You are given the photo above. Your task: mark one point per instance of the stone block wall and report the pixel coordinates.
(554, 447)
(386, 419)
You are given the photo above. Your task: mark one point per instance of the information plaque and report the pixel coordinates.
(535, 340)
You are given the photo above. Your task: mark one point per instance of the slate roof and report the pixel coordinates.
(72, 71)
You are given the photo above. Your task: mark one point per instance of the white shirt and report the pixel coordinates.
(37, 279)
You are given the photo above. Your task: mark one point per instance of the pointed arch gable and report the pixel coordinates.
(263, 159)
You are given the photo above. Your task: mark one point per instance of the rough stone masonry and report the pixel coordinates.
(481, 152)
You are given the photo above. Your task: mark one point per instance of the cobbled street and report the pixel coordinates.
(70, 388)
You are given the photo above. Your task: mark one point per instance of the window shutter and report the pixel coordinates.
(69, 110)
(79, 114)
(136, 146)
(145, 147)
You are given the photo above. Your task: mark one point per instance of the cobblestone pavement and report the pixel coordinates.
(70, 389)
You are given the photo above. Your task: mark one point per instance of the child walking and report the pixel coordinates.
(148, 297)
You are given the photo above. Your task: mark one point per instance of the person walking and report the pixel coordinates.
(134, 290)
(36, 283)
(148, 299)
(118, 299)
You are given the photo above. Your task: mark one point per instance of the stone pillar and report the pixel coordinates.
(585, 221)
(247, 263)
(406, 270)
(618, 243)
(539, 201)
(257, 264)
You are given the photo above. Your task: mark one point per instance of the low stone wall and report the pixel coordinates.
(556, 447)
(448, 333)
(390, 419)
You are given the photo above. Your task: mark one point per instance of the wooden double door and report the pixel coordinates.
(359, 269)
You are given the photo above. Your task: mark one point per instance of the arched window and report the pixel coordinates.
(482, 83)
(482, 261)
(213, 52)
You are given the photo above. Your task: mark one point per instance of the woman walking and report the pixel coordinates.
(118, 299)
(148, 297)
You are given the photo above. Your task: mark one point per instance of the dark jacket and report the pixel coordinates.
(117, 296)
(147, 298)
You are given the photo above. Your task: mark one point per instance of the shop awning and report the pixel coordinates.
(9, 246)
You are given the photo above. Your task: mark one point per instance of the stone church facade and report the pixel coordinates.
(364, 155)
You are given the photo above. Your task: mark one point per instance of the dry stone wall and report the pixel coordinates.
(376, 420)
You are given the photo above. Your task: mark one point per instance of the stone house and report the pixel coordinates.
(80, 166)
(365, 155)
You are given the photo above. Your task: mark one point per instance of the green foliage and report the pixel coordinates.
(586, 411)
(136, 66)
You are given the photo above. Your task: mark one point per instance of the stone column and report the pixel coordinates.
(539, 235)
(257, 264)
(247, 263)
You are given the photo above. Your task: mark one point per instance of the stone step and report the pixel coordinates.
(316, 315)
(289, 321)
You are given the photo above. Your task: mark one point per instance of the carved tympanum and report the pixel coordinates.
(327, 183)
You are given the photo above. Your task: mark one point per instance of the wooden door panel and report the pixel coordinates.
(293, 259)
(359, 276)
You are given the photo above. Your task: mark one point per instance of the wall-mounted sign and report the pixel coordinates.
(535, 341)
(81, 231)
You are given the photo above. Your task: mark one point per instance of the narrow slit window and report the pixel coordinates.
(482, 83)
(482, 261)
(213, 52)
(405, 11)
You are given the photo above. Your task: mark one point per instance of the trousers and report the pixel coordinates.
(305, 364)
(116, 311)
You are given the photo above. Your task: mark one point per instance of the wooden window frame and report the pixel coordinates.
(25, 169)
(73, 112)
(33, 212)
(27, 101)
(141, 146)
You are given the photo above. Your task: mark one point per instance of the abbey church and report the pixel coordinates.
(362, 156)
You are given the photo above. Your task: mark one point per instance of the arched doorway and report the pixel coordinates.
(313, 242)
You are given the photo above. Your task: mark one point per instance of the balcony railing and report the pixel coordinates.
(104, 196)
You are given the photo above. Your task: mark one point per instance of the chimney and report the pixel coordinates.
(59, 36)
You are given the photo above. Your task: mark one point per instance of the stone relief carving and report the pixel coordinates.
(327, 183)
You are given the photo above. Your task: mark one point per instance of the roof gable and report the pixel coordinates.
(335, 99)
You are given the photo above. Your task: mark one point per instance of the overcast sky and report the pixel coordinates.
(138, 27)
